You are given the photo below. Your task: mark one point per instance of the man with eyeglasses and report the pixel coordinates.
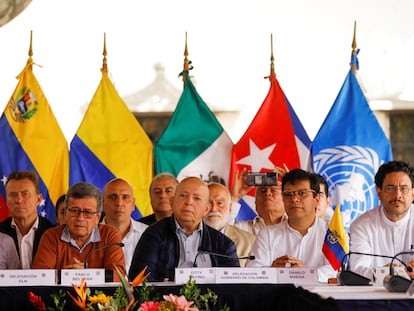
(24, 225)
(268, 202)
(82, 241)
(118, 204)
(387, 229)
(298, 241)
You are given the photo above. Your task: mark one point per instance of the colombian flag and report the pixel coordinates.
(335, 246)
(31, 139)
(109, 144)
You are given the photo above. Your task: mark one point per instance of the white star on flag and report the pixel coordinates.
(4, 180)
(43, 202)
(258, 158)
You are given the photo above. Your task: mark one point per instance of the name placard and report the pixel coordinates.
(200, 275)
(29, 277)
(246, 275)
(74, 276)
(305, 276)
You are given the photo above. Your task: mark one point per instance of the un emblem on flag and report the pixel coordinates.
(24, 105)
(350, 173)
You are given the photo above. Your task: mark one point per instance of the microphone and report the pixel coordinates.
(200, 252)
(397, 283)
(348, 277)
(98, 249)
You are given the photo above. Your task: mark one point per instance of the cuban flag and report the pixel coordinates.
(275, 137)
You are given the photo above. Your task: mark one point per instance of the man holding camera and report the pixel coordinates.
(269, 203)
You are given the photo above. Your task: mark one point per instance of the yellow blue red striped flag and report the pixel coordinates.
(335, 246)
(31, 139)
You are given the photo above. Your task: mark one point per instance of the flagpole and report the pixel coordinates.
(30, 53)
(272, 59)
(186, 66)
(354, 49)
(104, 53)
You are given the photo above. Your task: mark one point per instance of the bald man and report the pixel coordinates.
(118, 203)
(175, 241)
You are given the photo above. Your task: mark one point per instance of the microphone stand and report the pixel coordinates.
(200, 252)
(85, 265)
(397, 283)
(348, 277)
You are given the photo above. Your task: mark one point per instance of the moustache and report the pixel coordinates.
(214, 214)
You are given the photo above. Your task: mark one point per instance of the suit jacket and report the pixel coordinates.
(244, 241)
(44, 224)
(158, 249)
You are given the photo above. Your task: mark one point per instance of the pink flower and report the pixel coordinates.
(149, 306)
(180, 303)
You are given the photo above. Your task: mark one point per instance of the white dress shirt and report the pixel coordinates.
(374, 233)
(131, 240)
(281, 239)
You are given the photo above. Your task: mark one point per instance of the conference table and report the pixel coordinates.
(240, 297)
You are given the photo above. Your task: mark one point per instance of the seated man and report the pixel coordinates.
(175, 241)
(162, 189)
(298, 241)
(387, 229)
(269, 207)
(82, 242)
(24, 225)
(218, 216)
(118, 204)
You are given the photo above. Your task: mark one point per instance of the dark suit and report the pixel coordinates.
(44, 224)
(159, 250)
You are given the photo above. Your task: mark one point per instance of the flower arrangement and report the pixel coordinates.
(123, 299)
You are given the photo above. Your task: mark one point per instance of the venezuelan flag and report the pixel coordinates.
(335, 246)
(110, 143)
(31, 139)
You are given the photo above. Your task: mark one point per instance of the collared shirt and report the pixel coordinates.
(254, 225)
(26, 243)
(131, 239)
(374, 233)
(281, 239)
(189, 246)
(94, 237)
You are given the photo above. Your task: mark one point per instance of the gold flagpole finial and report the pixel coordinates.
(186, 65)
(104, 53)
(354, 50)
(272, 59)
(30, 46)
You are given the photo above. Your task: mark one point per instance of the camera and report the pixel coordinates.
(262, 179)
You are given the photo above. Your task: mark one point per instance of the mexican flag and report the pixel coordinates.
(194, 143)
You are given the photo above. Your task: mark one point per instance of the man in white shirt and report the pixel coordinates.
(298, 241)
(24, 225)
(389, 228)
(118, 204)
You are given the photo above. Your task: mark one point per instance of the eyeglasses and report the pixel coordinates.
(75, 212)
(393, 189)
(302, 193)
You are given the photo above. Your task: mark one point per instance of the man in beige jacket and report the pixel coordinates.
(218, 217)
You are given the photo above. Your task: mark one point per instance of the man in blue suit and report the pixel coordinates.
(178, 241)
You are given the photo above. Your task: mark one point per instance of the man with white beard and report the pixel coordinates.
(218, 218)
